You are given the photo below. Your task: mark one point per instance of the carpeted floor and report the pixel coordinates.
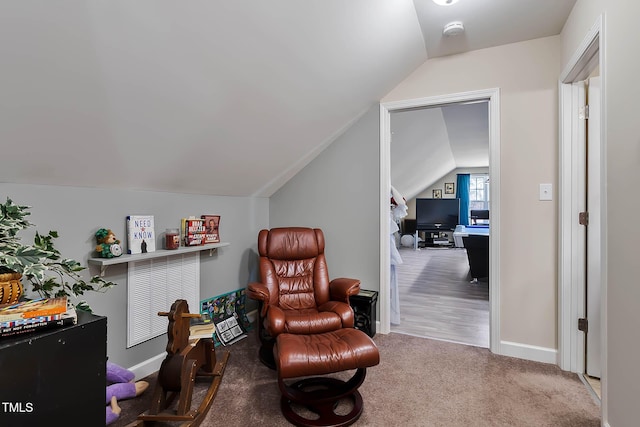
(419, 382)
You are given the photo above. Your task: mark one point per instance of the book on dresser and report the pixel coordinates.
(211, 227)
(141, 237)
(192, 231)
(19, 327)
(31, 308)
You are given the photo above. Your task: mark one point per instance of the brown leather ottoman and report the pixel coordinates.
(320, 354)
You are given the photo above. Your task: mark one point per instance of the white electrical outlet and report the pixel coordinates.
(546, 192)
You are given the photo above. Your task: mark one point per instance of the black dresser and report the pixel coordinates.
(56, 377)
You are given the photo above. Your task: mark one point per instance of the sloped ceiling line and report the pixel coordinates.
(228, 95)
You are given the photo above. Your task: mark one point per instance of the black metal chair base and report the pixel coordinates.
(266, 343)
(321, 396)
(266, 354)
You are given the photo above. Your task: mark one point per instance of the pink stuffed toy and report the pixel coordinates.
(120, 386)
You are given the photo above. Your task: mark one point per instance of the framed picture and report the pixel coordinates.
(437, 194)
(448, 188)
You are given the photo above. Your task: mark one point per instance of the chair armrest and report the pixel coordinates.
(342, 309)
(259, 292)
(341, 288)
(275, 321)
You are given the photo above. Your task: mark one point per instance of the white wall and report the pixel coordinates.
(76, 213)
(526, 74)
(338, 192)
(622, 153)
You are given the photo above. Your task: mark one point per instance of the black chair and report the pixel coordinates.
(478, 254)
(477, 214)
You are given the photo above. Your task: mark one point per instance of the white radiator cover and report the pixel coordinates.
(152, 286)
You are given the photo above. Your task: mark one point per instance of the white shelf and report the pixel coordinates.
(104, 262)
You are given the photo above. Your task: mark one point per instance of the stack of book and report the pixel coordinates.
(201, 327)
(35, 315)
(200, 231)
(193, 231)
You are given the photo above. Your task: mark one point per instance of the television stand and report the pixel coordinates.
(441, 242)
(434, 237)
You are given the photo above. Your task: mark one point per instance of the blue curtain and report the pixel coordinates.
(462, 193)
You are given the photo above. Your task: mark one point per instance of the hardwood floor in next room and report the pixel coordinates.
(437, 298)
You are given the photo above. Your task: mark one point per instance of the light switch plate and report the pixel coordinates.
(546, 192)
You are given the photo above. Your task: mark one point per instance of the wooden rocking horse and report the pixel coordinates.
(184, 361)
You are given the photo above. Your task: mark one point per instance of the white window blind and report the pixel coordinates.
(155, 284)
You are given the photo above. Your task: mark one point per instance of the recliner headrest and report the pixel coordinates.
(291, 243)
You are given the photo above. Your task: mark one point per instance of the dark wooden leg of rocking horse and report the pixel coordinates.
(188, 377)
(322, 398)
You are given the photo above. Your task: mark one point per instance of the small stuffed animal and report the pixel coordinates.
(108, 246)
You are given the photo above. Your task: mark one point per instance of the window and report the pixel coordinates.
(479, 192)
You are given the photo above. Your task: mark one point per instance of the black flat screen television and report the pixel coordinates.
(437, 214)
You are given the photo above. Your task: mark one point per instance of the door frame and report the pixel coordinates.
(593, 256)
(493, 96)
(571, 274)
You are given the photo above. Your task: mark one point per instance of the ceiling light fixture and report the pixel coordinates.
(453, 29)
(445, 2)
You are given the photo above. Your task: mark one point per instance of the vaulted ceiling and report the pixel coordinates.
(214, 97)
(428, 143)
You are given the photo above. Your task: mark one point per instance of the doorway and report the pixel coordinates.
(493, 97)
(437, 296)
(575, 272)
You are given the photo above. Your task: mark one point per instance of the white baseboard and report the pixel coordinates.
(148, 366)
(529, 352)
(252, 315)
(152, 365)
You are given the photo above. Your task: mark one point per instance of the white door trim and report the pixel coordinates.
(571, 200)
(571, 290)
(493, 96)
(593, 337)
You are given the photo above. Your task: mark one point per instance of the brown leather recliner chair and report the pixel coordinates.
(295, 293)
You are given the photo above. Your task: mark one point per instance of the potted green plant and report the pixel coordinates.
(40, 264)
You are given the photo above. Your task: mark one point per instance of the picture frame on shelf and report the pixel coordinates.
(449, 188)
(437, 194)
